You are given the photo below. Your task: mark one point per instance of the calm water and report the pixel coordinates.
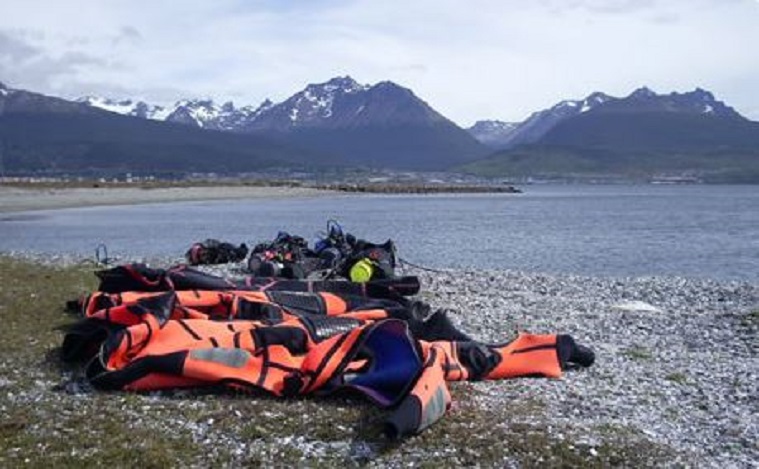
(694, 231)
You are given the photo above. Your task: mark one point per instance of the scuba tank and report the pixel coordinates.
(362, 271)
(371, 261)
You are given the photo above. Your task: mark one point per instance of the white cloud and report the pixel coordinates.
(470, 60)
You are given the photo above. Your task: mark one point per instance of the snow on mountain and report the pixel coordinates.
(198, 112)
(698, 101)
(315, 103)
(493, 133)
(312, 106)
(126, 107)
(338, 103)
(593, 101)
(708, 104)
(539, 123)
(342, 102)
(642, 99)
(203, 113)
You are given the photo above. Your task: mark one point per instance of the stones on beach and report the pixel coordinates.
(636, 306)
(676, 369)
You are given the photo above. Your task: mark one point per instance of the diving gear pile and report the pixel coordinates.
(152, 329)
(213, 251)
(334, 255)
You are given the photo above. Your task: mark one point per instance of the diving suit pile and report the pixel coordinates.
(152, 329)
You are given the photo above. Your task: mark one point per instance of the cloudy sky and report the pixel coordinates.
(469, 59)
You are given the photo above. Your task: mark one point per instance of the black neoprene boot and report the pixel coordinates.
(573, 355)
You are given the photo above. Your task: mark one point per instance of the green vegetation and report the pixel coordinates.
(679, 378)
(72, 141)
(638, 353)
(565, 162)
(635, 145)
(43, 425)
(752, 317)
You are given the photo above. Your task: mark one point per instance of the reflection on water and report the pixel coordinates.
(22, 217)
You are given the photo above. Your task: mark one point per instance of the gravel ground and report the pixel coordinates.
(676, 377)
(676, 358)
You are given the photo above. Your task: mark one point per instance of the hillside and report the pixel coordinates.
(642, 136)
(45, 134)
(383, 125)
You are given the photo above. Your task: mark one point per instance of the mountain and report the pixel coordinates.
(539, 123)
(493, 133)
(40, 133)
(343, 103)
(642, 135)
(209, 115)
(698, 102)
(645, 121)
(500, 135)
(337, 103)
(203, 113)
(126, 107)
(18, 101)
(384, 125)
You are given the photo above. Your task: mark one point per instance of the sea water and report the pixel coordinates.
(700, 231)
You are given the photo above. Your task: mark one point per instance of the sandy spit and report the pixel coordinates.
(13, 199)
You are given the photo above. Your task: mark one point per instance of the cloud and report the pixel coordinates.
(600, 6)
(22, 62)
(493, 58)
(127, 34)
(14, 50)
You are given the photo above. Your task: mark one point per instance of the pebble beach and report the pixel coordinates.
(676, 373)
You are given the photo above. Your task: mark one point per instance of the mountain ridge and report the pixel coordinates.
(382, 125)
(538, 124)
(45, 134)
(318, 104)
(641, 136)
(346, 124)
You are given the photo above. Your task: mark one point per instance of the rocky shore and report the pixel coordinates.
(676, 358)
(418, 188)
(675, 384)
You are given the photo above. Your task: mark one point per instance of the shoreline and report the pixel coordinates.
(26, 199)
(15, 199)
(665, 388)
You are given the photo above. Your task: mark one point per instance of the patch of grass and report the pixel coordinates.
(677, 377)
(751, 318)
(638, 353)
(43, 427)
(32, 302)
